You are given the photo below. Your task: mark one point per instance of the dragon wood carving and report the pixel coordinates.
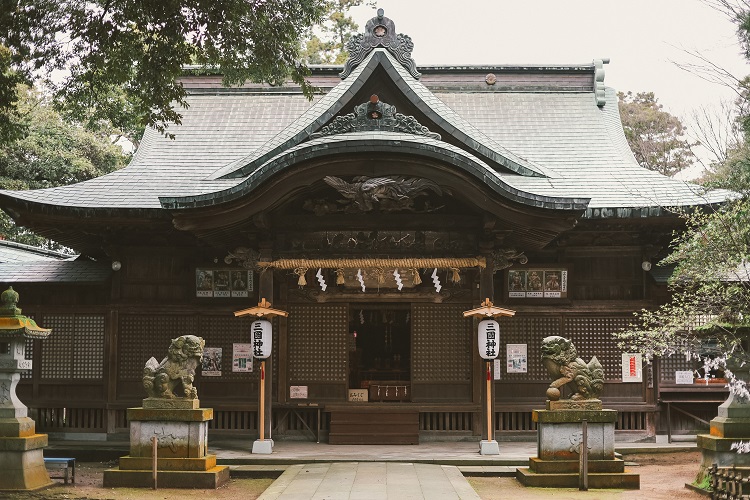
(560, 358)
(388, 193)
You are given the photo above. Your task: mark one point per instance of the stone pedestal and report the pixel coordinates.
(181, 429)
(488, 447)
(731, 425)
(21, 448)
(263, 446)
(559, 439)
(21, 453)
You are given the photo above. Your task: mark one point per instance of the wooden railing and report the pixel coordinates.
(306, 421)
(731, 483)
(445, 421)
(70, 419)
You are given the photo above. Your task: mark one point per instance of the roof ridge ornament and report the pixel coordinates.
(380, 31)
(375, 115)
(599, 90)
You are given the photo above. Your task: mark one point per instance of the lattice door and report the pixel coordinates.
(318, 343)
(441, 343)
(76, 347)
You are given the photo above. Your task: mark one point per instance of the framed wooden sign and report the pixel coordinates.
(538, 283)
(223, 283)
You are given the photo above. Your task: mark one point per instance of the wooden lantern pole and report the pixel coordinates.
(263, 309)
(262, 399)
(489, 400)
(487, 310)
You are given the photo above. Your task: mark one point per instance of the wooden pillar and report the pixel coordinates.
(111, 335)
(265, 290)
(281, 363)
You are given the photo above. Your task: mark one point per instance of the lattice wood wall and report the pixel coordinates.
(530, 331)
(441, 343)
(142, 337)
(591, 335)
(318, 343)
(75, 350)
(676, 362)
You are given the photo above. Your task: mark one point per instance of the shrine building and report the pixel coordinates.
(374, 214)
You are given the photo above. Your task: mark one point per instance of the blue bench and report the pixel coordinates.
(67, 464)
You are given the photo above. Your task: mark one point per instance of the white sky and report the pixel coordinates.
(641, 37)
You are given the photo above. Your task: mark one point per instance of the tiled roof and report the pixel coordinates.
(553, 144)
(10, 251)
(381, 141)
(53, 272)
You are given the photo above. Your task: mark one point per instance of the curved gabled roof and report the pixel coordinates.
(336, 101)
(380, 142)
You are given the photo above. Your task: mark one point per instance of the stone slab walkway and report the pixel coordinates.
(370, 481)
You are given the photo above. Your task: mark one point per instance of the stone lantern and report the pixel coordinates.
(21, 448)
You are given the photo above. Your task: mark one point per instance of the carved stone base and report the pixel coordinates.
(171, 404)
(182, 444)
(559, 444)
(572, 404)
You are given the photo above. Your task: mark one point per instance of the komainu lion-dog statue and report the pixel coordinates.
(560, 358)
(173, 377)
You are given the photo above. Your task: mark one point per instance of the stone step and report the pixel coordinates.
(210, 479)
(625, 480)
(572, 466)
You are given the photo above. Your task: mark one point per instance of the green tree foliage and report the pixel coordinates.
(119, 60)
(53, 152)
(710, 286)
(336, 29)
(655, 136)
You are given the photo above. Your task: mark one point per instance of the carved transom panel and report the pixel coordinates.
(416, 242)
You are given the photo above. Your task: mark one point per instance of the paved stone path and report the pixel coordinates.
(370, 481)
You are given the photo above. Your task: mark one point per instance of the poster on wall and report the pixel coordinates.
(516, 361)
(632, 367)
(211, 362)
(683, 377)
(242, 358)
(298, 392)
(223, 283)
(497, 368)
(539, 283)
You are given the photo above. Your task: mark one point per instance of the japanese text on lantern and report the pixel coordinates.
(257, 339)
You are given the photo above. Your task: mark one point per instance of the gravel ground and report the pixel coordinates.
(663, 477)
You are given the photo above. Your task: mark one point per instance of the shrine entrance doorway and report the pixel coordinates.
(380, 350)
